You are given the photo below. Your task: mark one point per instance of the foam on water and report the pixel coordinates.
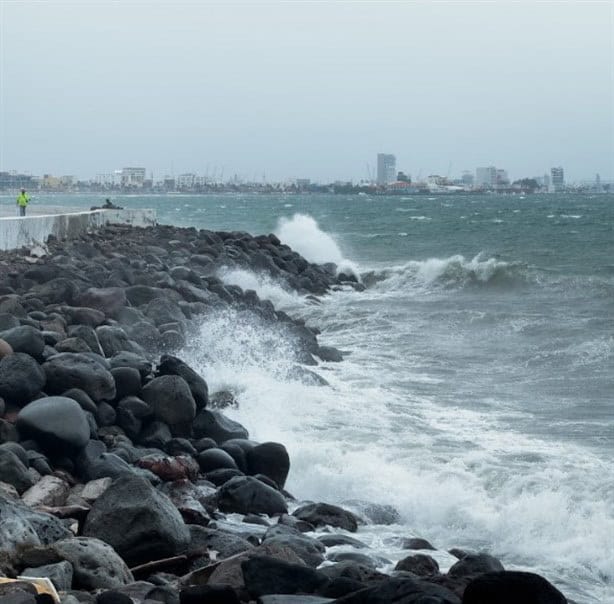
(266, 287)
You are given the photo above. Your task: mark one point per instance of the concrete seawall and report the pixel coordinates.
(29, 231)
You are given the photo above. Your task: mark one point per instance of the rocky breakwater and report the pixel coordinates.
(122, 481)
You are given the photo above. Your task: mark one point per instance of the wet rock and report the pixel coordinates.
(325, 514)
(212, 424)
(225, 544)
(403, 590)
(270, 459)
(87, 334)
(96, 565)
(363, 560)
(60, 574)
(25, 338)
(114, 340)
(21, 378)
(376, 513)
(108, 300)
(512, 587)
(131, 359)
(156, 435)
(186, 498)
(247, 495)
(416, 543)
(21, 526)
(171, 400)
(79, 370)
(222, 475)
(211, 594)
(472, 565)
(48, 491)
(331, 540)
(215, 459)
(267, 575)
(328, 353)
(170, 365)
(86, 317)
(72, 345)
(419, 564)
(55, 422)
(308, 549)
(140, 523)
(127, 381)
(13, 471)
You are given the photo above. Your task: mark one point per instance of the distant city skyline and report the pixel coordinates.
(306, 90)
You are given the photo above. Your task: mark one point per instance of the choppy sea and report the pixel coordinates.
(477, 393)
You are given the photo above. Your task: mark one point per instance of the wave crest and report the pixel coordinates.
(453, 272)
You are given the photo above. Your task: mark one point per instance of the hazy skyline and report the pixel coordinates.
(307, 89)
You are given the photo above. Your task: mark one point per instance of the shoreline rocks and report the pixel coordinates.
(121, 478)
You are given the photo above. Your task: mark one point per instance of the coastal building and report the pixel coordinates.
(486, 178)
(186, 181)
(467, 179)
(386, 168)
(557, 179)
(132, 178)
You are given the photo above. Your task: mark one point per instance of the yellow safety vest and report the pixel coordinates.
(22, 200)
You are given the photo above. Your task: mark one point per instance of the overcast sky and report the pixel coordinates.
(306, 89)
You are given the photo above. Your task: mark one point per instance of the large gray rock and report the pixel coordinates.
(247, 495)
(170, 365)
(19, 525)
(21, 378)
(96, 565)
(512, 587)
(60, 574)
(472, 565)
(108, 300)
(171, 400)
(310, 550)
(140, 523)
(13, 471)
(56, 422)
(325, 514)
(48, 491)
(402, 590)
(270, 459)
(114, 340)
(225, 544)
(213, 424)
(25, 338)
(79, 370)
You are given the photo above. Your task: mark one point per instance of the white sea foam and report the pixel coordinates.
(265, 286)
(303, 235)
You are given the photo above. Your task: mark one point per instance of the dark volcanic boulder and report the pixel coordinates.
(127, 381)
(325, 514)
(95, 564)
(21, 378)
(308, 549)
(60, 574)
(22, 526)
(419, 564)
(403, 591)
(25, 338)
(131, 359)
(226, 544)
(114, 340)
(170, 365)
(472, 565)
(215, 459)
(55, 422)
(267, 575)
(57, 291)
(270, 459)
(247, 495)
(170, 398)
(512, 587)
(213, 424)
(79, 370)
(108, 299)
(140, 523)
(13, 471)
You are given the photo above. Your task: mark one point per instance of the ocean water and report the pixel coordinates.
(477, 394)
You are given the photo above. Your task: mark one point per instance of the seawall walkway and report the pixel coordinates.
(64, 223)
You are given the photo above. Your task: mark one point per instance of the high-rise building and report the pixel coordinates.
(133, 177)
(557, 179)
(467, 179)
(386, 168)
(486, 177)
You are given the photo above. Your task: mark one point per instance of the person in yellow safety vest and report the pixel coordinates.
(23, 199)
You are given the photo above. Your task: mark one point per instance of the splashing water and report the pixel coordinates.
(304, 236)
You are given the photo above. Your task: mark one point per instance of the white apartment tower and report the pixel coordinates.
(386, 168)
